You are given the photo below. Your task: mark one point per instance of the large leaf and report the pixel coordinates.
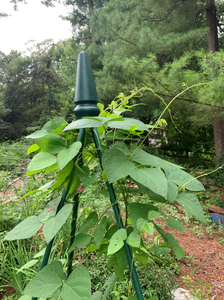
(191, 204)
(122, 258)
(116, 165)
(77, 286)
(182, 178)
(134, 239)
(68, 154)
(32, 149)
(100, 232)
(83, 123)
(122, 147)
(41, 161)
(37, 134)
(152, 178)
(72, 183)
(175, 224)
(127, 123)
(139, 210)
(51, 143)
(81, 240)
(46, 282)
(144, 158)
(117, 241)
(91, 221)
(143, 225)
(171, 240)
(97, 295)
(53, 225)
(172, 192)
(25, 229)
(114, 246)
(54, 124)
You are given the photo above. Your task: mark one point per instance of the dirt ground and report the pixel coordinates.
(204, 260)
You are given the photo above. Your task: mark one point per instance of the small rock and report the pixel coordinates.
(182, 294)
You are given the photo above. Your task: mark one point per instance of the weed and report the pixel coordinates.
(221, 240)
(197, 293)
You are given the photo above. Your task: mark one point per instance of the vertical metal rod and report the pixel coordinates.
(73, 229)
(75, 210)
(118, 218)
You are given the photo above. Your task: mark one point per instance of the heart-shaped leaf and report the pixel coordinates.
(25, 229)
(77, 286)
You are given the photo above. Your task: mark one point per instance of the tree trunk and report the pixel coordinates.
(213, 46)
(218, 128)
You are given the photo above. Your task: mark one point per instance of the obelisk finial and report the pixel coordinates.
(85, 91)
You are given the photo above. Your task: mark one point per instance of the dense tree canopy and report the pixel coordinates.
(162, 46)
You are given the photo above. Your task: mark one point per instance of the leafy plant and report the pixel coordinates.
(161, 181)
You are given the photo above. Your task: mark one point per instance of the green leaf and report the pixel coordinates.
(134, 239)
(139, 210)
(114, 246)
(175, 224)
(159, 250)
(181, 178)
(25, 297)
(25, 229)
(51, 143)
(143, 258)
(144, 158)
(112, 261)
(170, 239)
(83, 123)
(72, 184)
(132, 298)
(154, 298)
(54, 124)
(172, 192)
(179, 252)
(66, 155)
(127, 123)
(77, 286)
(32, 149)
(91, 221)
(122, 259)
(143, 225)
(119, 271)
(116, 165)
(89, 181)
(96, 296)
(100, 232)
(152, 214)
(191, 204)
(41, 161)
(121, 146)
(120, 234)
(46, 282)
(117, 241)
(81, 240)
(37, 134)
(152, 178)
(29, 264)
(53, 225)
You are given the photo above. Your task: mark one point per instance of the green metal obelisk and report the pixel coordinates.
(86, 105)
